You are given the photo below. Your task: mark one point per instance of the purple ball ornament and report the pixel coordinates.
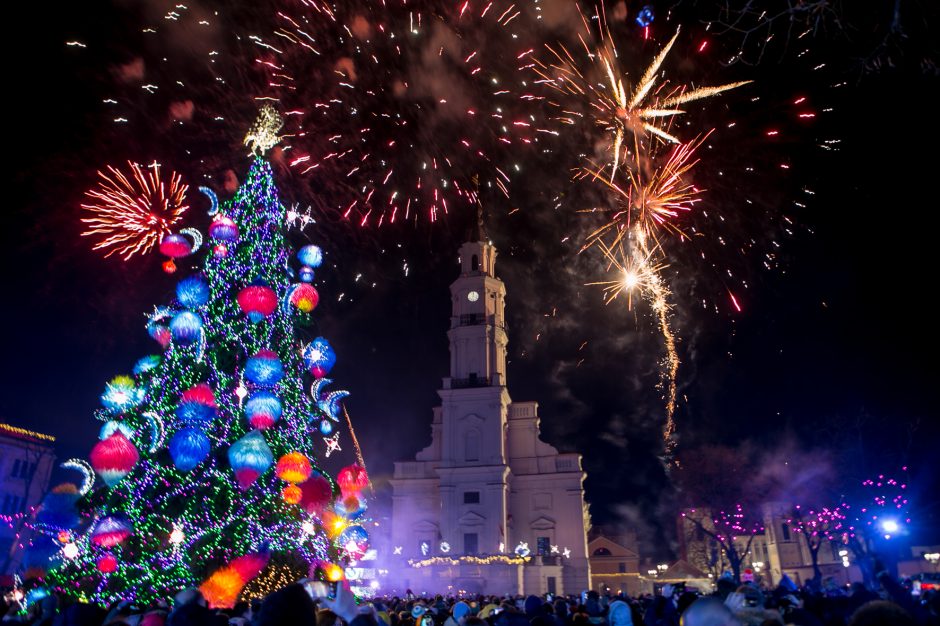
(223, 228)
(185, 327)
(306, 274)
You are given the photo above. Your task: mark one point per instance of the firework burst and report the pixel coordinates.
(642, 109)
(398, 107)
(131, 212)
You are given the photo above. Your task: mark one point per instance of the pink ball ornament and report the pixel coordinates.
(220, 250)
(107, 564)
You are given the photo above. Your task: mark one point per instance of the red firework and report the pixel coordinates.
(132, 212)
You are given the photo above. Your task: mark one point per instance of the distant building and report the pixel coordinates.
(26, 460)
(615, 563)
(487, 489)
(777, 551)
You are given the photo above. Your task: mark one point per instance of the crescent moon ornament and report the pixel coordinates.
(330, 404)
(80, 465)
(156, 431)
(317, 386)
(212, 198)
(285, 303)
(197, 238)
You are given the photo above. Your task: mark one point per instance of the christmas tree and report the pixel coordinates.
(208, 452)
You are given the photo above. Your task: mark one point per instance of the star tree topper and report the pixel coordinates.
(262, 136)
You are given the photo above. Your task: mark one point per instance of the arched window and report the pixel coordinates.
(474, 263)
(601, 552)
(471, 451)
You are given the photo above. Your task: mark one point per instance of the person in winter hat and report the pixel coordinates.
(619, 614)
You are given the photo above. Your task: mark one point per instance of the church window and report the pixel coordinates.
(543, 546)
(601, 552)
(472, 446)
(622, 568)
(470, 541)
(471, 497)
(474, 263)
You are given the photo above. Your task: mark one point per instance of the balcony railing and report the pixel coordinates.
(471, 319)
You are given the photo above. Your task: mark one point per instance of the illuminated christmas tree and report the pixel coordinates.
(208, 453)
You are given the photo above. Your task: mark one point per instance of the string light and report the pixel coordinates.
(473, 560)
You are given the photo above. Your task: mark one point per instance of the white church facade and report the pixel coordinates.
(487, 507)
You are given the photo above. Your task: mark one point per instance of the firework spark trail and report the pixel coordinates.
(134, 212)
(637, 271)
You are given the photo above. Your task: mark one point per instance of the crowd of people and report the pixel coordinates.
(304, 604)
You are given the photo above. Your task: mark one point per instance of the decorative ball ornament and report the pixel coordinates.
(352, 479)
(121, 394)
(175, 246)
(114, 458)
(257, 302)
(192, 292)
(304, 297)
(59, 510)
(197, 405)
(317, 494)
(306, 274)
(188, 448)
(264, 369)
(159, 333)
(223, 228)
(250, 457)
(292, 494)
(293, 467)
(263, 409)
(326, 427)
(354, 540)
(111, 531)
(185, 327)
(220, 250)
(319, 357)
(169, 266)
(107, 564)
(311, 256)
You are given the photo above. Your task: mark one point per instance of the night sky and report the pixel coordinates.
(830, 364)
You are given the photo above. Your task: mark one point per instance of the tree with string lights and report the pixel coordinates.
(206, 473)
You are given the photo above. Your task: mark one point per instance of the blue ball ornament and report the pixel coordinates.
(264, 369)
(186, 327)
(263, 409)
(306, 274)
(189, 447)
(326, 428)
(310, 255)
(192, 292)
(319, 357)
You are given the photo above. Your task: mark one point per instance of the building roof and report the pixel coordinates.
(8, 430)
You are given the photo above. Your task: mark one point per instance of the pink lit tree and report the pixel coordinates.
(819, 526)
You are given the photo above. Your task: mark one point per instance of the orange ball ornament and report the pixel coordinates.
(64, 536)
(293, 467)
(292, 494)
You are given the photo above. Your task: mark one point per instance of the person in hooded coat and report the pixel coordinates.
(619, 614)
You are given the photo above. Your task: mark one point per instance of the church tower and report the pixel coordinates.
(487, 506)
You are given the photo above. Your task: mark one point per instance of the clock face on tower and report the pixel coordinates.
(473, 296)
